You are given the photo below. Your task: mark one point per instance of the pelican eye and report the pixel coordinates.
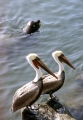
(37, 58)
(60, 57)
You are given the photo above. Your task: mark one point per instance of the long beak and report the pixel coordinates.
(65, 60)
(42, 65)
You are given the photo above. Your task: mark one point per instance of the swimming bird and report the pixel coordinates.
(51, 84)
(30, 92)
(31, 27)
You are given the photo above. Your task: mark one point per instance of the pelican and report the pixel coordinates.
(30, 92)
(51, 84)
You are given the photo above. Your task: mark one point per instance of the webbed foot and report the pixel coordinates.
(32, 111)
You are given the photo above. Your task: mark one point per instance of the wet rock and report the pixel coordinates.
(52, 110)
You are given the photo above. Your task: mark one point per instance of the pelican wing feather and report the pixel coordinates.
(25, 95)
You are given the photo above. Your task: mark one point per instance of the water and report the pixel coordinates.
(62, 29)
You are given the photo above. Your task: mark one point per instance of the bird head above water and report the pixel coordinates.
(31, 27)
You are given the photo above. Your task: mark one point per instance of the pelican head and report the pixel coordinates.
(36, 62)
(58, 55)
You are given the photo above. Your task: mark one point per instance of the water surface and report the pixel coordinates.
(62, 29)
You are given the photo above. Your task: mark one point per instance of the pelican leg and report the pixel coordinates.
(54, 98)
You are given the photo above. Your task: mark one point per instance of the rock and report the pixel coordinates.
(51, 110)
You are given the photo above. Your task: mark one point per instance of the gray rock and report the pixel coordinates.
(51, 110)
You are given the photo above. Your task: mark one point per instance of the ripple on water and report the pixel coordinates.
(62, 29)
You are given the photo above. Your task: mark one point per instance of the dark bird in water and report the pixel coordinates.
(30, 92)
(51, 84)
(31, 27)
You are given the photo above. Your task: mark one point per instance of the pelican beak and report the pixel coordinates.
(65, 60)
(42, 65)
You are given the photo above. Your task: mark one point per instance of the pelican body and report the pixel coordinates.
(30, 92)
(51, 84)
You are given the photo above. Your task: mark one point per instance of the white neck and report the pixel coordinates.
(38, 75)
(61, 67)
(38, 71)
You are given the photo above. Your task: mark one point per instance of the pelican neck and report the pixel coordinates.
(61, 67)
(38, 75)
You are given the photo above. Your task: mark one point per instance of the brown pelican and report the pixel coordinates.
(30, 92)
(50, 84)
(31, 27)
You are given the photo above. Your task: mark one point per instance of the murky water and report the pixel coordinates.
(62, 29)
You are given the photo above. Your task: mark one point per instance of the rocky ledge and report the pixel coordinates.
(51, 110)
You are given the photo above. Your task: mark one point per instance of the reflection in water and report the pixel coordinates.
(62, 30)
